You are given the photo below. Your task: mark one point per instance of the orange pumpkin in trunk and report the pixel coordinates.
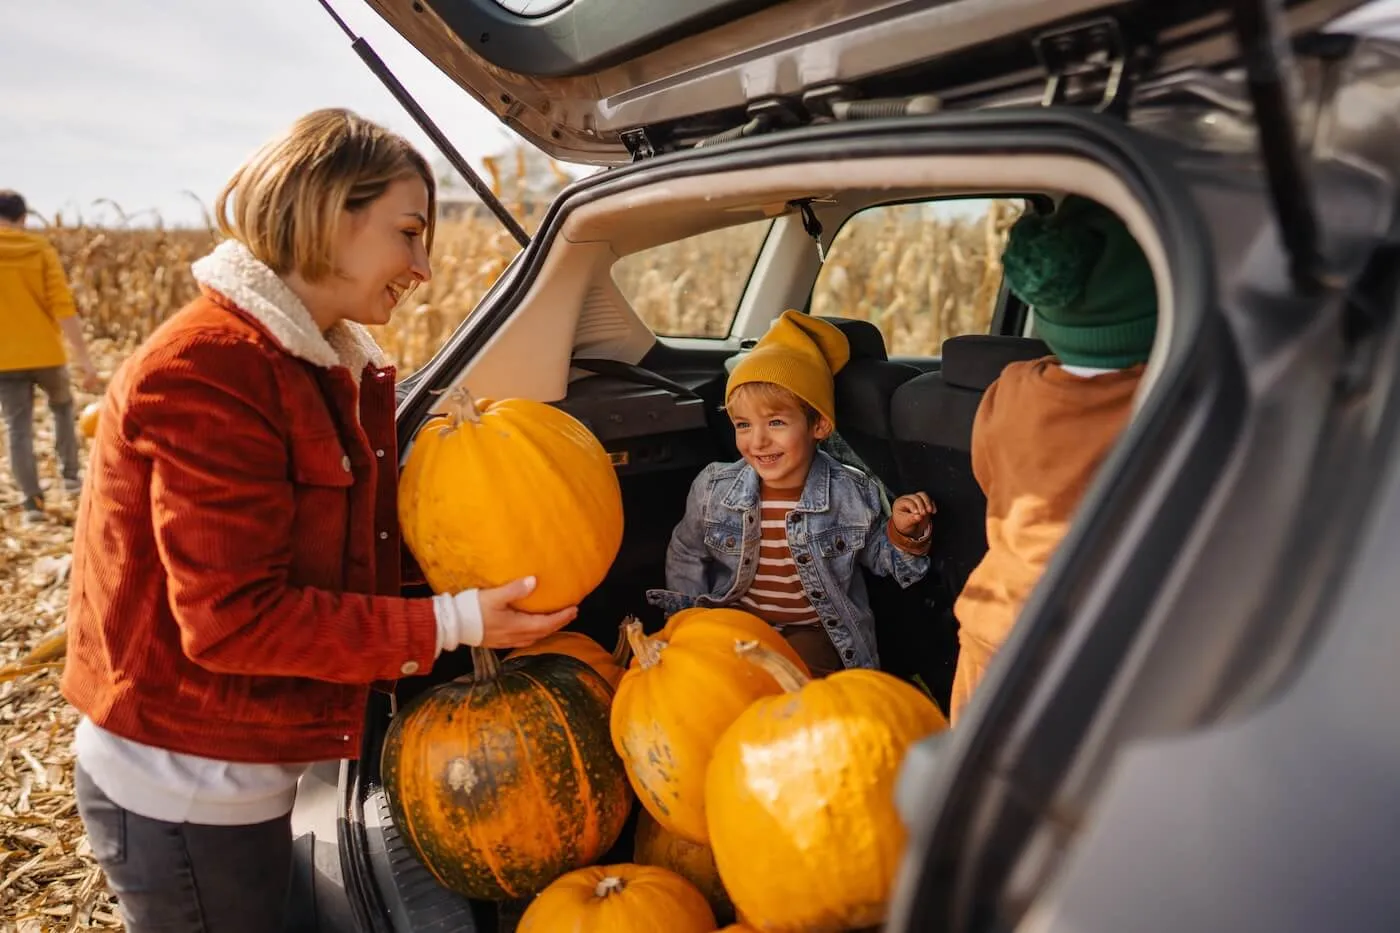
(684, 688)
(502, 781)
(619, 899)
(807, 779)
(653, 845)
(578, 645)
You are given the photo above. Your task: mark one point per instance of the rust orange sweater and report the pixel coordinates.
(1039, 437)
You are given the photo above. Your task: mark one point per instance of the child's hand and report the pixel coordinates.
(912, 514)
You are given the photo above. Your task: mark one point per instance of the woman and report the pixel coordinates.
(237, 543)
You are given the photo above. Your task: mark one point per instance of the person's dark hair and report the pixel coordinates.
(12, 206)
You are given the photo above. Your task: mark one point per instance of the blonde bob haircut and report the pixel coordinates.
(286, 202)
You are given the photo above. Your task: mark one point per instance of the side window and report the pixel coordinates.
(920, 272)
(692, 287)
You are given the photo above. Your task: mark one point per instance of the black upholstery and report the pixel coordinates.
(865, 387)
(931, 419)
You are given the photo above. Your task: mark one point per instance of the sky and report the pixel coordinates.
(147, 102)
(141, 101)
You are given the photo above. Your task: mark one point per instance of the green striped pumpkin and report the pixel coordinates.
(502, 781)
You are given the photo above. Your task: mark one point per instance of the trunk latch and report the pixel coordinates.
(638, 142)
(1085, 63)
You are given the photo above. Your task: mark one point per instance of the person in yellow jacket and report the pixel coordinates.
(36, 310)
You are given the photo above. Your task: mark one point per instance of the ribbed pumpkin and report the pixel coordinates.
(578, 645)
(619, 899)
(503, 780)
(87, 420)
(653, 845)
(494, 491)
(800, 796)
(684, 688)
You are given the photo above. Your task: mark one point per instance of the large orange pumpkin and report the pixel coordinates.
(800, 796)
(653, 845)
(503, 780)
(494, 491)
(578, 645)
(684, 688)
(619, 899)
(87, 421)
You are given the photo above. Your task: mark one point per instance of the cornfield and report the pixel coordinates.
(920, 276)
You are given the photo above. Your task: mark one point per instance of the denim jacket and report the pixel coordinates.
(838, 521)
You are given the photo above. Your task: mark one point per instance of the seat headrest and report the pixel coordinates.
(974, 361)
(867, 343)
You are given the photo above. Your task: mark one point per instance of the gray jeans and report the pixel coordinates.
(17, 403)
(188, 877)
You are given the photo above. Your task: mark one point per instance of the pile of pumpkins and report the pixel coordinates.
(767, 796)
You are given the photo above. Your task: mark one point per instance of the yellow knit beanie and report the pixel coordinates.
(800, 353)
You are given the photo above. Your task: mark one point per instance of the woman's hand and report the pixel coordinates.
(485, 619)
(912, 514)
(504, 627)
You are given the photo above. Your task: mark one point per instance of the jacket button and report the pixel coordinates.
(379, 453)
(345, 463)
(850, 654)
(728, 542)
(818, 595)
(840, 544)
(409, 667)
(805, 559)
(384, 536)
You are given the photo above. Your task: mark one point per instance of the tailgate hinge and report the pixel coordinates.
(1085, 63)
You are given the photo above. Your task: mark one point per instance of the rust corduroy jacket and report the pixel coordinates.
(237, 539)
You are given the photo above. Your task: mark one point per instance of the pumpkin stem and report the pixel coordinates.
(622, 652)
(485, 665)
(647, 650)
(612, 884)
(788, 675)
(461, 407)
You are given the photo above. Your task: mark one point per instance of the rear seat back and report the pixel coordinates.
(931, 419)
(865, 388)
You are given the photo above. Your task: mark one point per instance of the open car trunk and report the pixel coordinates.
(662, 437)
(1193, 414)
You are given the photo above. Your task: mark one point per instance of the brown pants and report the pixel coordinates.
(814, 647)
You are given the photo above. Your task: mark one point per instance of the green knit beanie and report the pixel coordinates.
(1087, 282)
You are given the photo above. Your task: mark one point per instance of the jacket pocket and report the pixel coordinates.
(840, 542)
(320, 460)
(724, 539)
(322, 481)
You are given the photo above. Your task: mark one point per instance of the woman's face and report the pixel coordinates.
(379, 254)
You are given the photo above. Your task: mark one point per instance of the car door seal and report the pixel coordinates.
(1267, 60)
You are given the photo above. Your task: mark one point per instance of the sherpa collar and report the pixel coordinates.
(234, 272)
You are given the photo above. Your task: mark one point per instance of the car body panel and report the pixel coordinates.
(705, 68)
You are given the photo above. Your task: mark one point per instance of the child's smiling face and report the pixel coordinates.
(776, 434)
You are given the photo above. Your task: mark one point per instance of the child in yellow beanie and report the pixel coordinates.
(780, 532)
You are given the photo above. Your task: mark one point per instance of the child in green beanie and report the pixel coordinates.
(1044, 426)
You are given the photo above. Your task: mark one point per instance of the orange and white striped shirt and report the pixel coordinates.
(776, 594)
